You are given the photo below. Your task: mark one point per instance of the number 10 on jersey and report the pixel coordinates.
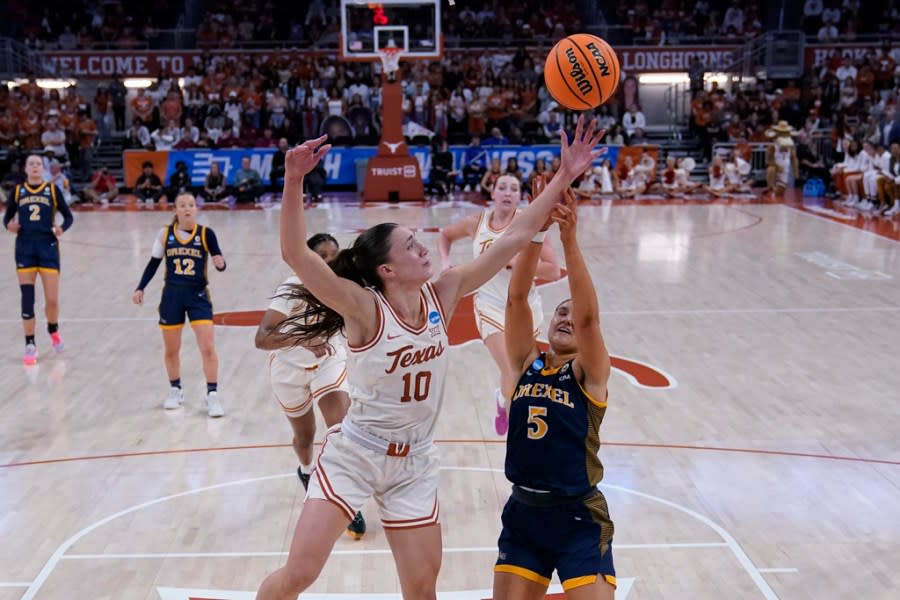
(416, 386)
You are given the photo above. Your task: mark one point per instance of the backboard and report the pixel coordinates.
(414, 26)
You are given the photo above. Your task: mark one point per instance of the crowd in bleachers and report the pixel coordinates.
(59, 25)
(680, 21)
(72, 24)
(491, 96)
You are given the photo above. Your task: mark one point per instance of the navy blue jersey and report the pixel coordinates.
(36, 208)
(187, 255)
(554, 432)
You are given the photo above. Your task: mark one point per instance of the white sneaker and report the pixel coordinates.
(175, 399)
(865, 205)
(213, 406)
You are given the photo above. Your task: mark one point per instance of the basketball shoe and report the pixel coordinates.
(501, 420)
(31, 355)
(304, 478)
(213, 406)
(57, 341)
(175, 398)
(357, 527)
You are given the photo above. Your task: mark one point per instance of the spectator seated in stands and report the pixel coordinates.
(490, 177)
(179, 181)
(496, 138)
(874, 180)
(214, 188)
(148, 187)
(55, 176)
(475, 164)
(892, 186)
(633, 120)
(442, 175)
(186, 142)
(247, 183)
(138, 136)
(811, 164)
(103, 187)
(314, 182)
(166, 137)
(276, 175)
(11, 180)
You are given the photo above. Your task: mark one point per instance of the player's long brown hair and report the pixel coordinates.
(316, 322)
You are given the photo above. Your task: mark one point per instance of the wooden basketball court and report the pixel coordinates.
(751, 442)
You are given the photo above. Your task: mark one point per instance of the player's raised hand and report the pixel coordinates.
(301, 159)
(576, 157)
(566, 216)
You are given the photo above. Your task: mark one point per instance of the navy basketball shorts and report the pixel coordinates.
(37, 253)
(180, 300)
(574, 538)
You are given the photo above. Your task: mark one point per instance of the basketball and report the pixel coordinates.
(581, 72)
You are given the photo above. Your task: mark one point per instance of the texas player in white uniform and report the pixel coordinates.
(301, 376)
(378, 293)
(484, 229)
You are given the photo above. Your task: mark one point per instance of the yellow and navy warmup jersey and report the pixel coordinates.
(186, 255)
(36, 208)
(554, 432)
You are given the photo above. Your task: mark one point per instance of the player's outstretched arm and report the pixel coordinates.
(341, 295)
(576, 157)
(593, 357)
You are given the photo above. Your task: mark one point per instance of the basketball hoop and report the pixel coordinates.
(390, 60)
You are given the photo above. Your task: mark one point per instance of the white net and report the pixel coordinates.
(390, 60)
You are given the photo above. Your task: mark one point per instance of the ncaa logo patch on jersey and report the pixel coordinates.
(171, 238)
(434, 317)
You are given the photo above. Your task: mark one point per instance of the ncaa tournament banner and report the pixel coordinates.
(339, 163)
(198, 163)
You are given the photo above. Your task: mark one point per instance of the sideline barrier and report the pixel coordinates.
(339, 163)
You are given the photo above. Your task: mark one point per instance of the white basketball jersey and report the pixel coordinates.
(299, 356)
(497, 287)
(396, 381)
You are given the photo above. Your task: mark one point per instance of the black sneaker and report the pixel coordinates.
(357, 527)
(304, 478)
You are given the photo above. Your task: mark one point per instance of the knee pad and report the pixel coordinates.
(27, 300)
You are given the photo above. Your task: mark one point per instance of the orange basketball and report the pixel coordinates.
(581, 72)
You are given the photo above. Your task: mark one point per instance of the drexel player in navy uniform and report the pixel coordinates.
(556, 517)
(30, 214)
(187, 247)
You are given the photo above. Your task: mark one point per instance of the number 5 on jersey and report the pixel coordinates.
(416, 386)
(539, 429)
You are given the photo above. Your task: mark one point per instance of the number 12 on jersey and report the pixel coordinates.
(416, 386)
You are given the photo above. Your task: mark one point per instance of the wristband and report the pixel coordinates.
(539, 237)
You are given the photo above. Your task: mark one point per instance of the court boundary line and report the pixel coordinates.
(59, 553)
(373, 551)
(841, 223)
(651, 445)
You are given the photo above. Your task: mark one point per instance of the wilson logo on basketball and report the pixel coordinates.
(598, 56)
(404, 358)
(578, 74)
